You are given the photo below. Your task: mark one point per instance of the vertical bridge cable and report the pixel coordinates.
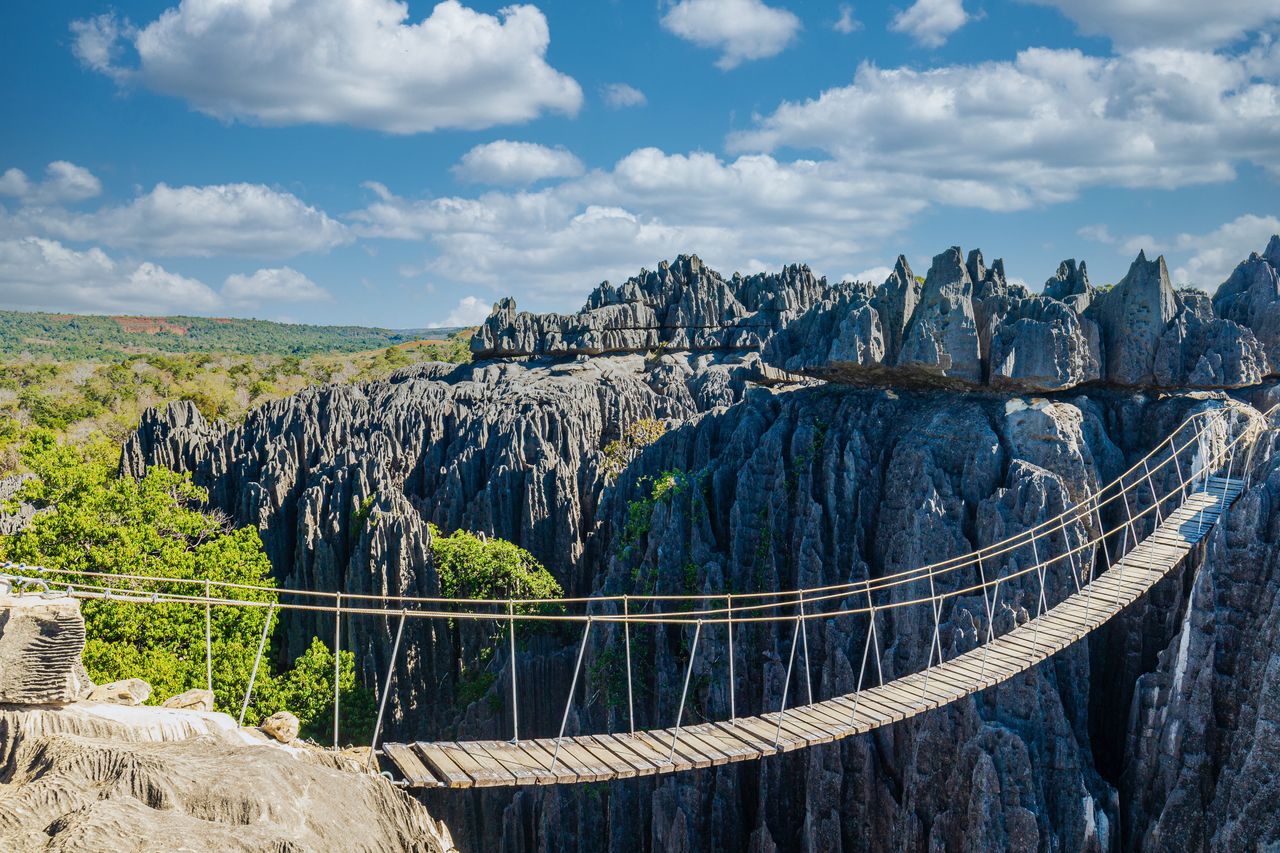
(208, 639)
(515, 704)
(586, 632)
(626, 639)
(991, 618)
(804, 639)
(693, 653)
(386, 690)
(786, 684)
(733, 711)
(337, 660)
(253, 674)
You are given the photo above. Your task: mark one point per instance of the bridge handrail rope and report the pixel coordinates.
(731, 614)
(1090, 503)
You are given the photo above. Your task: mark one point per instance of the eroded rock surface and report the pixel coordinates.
(41, 640)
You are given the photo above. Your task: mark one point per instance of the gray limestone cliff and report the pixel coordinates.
(782, 484)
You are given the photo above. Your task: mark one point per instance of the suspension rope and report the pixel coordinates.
(386, 690)
(257, 659)
(693, 653)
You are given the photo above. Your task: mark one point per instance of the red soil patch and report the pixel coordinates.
(149, 325)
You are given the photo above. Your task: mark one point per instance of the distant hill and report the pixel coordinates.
(75, 336)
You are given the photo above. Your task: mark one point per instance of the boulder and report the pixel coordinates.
(191, 700)
(41, 640)
(129, 691)
(282, 726)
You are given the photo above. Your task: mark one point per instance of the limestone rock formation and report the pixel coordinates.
(682, 305)
(1251, 297)
(16, 520)
(1133, 316)
(41, 640)
(784, 486)
(942, 338)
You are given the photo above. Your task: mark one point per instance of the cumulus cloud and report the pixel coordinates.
(619, 95)
(1185, 23)
(356, 62)
(1214, 255)
(507, 162)
(930, 22)
(650, 205)
(63, 182)
(244, 219)
(470, 311)
(39, 274)
(1038, 129)
(846, 23)
(280, 284)
(741, 30)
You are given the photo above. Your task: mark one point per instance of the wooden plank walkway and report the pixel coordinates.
(594, 758)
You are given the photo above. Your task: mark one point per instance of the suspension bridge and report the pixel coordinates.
(1079, 572)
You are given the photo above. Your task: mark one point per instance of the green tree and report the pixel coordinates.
(96, 522)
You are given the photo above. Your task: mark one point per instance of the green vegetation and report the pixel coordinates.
(472, 566)
(71, 337)
(619, 453)
(81, 399)
(96, 522)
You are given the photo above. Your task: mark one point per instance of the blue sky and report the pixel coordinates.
(373, 162)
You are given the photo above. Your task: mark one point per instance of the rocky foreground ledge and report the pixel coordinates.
(89, 775)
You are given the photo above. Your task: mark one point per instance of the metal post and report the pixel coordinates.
(253, 674)
(515, 704)
(586, 632)
(626, 636)
(337, 660)
(208, 639)
(693, 652)
(386, 689)
(1155, 501)
(866, 647)
(986, 650)
(804, 639)
(733, 711)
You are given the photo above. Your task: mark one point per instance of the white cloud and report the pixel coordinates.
(63, 182)
(356, 62)
(507, 162)
(741, 30)
(619, 95)
(1037, 130)
(875, 275)
(244, 219)
(650, 205)
(1098, 233)
(280, 284)
(1215, 255)
(846, 23)
(930, 22)
(1185, 23)
(38, 274)
(470, 311)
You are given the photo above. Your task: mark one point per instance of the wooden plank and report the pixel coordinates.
(878, 699)
(647, 746)
(509, 757)
(586, 763)
(538, 754)
(691, 748)
(737, 745)
(417, 774)
(638, 766)
(483, 769)
(764, 731)
(442, 765)
(815, 723)
(681, 759)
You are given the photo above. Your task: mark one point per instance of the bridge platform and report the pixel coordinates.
(600, 757)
